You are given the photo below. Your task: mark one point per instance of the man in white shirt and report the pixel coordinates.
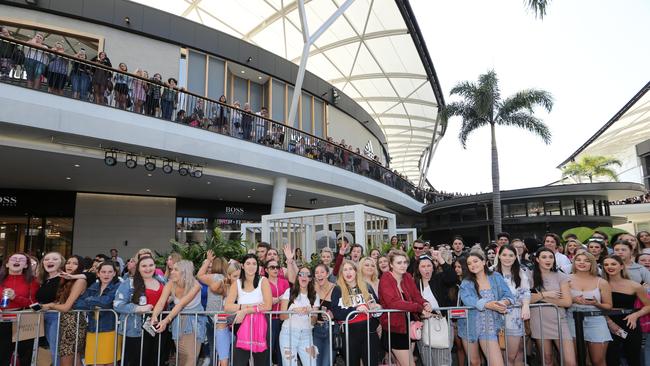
(117, 259)
(563, 263)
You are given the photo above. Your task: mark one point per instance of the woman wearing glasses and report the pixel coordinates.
(278, 286)
(296, 335)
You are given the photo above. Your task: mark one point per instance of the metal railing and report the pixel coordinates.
(26, 64)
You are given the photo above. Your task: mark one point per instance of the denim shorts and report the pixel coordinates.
(223, 343)
(595, 328)
(34, 68)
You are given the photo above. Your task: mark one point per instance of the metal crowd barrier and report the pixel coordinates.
(426, 354)
(579, 318)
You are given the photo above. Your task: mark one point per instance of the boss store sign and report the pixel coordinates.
(49, 203)
(220, 209)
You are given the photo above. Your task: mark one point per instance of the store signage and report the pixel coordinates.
(8, 201)
(235, 210)
(368, 150)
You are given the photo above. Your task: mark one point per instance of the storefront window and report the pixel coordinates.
(196, 230)
(58, 235)
(516, 210)
(568, 208)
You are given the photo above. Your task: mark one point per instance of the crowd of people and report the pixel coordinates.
(644, 198)
(280, 309)
(97, 81)
(432, 195)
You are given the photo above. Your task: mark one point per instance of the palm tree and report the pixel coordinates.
(590, 167)
(483, 106)
(538, 7)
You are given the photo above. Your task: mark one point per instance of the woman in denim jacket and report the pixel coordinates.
(101, 333)
(489, 294)
(136, 296)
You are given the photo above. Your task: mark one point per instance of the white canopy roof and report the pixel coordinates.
(368, 53)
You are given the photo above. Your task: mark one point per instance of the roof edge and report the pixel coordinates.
(404, 7)
(609, 123)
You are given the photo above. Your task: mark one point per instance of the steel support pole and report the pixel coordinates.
(308, 42)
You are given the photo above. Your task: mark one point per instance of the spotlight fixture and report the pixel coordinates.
(249, 59)
(183, 169)
(167, 167)
(131, 161)
(335, 96)
(197, 172)
(110, 158)
(127, 20)
(150, 164)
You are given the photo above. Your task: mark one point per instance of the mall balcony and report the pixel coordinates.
(51, 122)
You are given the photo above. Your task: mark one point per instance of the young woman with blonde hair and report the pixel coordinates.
(589, 292)
(369, 273)
(187, 330)
(352, 293)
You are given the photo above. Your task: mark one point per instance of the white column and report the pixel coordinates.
(360, 227)
(279, 195)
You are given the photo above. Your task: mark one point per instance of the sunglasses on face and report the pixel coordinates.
(418, 248)
(304, 274)
(272, 267)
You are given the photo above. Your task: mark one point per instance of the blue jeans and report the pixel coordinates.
(294, 343)
(51, 328)
(80, 84)
(276, 355)
(322, 342)
(167, 107)
(645, 355)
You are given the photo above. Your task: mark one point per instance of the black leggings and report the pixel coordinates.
(149, 351)
(241, 357)
(630, 348)
(7, 347)
(358, 347)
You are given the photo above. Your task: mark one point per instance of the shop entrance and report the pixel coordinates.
(35, 235)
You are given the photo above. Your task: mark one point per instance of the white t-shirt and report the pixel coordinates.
(296, 321)
(563, 262)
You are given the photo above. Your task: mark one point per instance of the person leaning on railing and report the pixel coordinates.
(353, 294)
(101, 78)
(550, 286)
(397, 291)
(80, 76)
(135, 296)
(625, 329)
(18, 287)
(102, 347)
(35, 60)
(489, 296)
(72, 326)
(187, 330)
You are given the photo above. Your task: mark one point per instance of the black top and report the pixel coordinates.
(440, 283)
(47, 292)
(622, 301)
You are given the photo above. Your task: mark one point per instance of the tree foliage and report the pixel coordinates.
(592, 167)
(538, 7)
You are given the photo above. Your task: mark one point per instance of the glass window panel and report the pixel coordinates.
(568, 208)
(278, 101)
(319, 123)
(196, 73)
(552, 208)
(241, 91)
(256, 96)
(517, 210)
(215, 78)
(58, 235)
(306, 112)
(535, 208)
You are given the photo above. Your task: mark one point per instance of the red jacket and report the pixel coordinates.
(390, 298)
(25, 293)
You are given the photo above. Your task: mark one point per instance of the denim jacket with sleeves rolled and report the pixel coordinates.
(94, 299)
(130, 321)
(470, 298)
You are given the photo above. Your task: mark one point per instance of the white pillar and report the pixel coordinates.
(279, 195)
(360, 227)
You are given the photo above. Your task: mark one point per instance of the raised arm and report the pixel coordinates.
(292, 267)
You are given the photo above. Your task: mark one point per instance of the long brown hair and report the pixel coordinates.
(65, 286)
(295, 289)
(139, 287)
(27, 271)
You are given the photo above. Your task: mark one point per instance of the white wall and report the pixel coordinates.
(340, 126)
(104, 221)
(136, 51)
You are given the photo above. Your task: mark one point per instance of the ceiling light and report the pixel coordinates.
(77, 165)
(131, 161)
(110, 158)
(209, 182)
(249, 196)
(259, 77)
(243, 72)
(148, 190)
(149, 175)
(183, 169)
(197, 172)
(168, 167)
(67, 178)
(252, 189)
(150, 164)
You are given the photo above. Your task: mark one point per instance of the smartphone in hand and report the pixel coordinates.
(36, 306)
(148, 327)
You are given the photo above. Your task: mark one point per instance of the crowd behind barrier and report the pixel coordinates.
(441, 306)
(34, 65)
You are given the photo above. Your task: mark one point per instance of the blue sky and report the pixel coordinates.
(593, 56)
